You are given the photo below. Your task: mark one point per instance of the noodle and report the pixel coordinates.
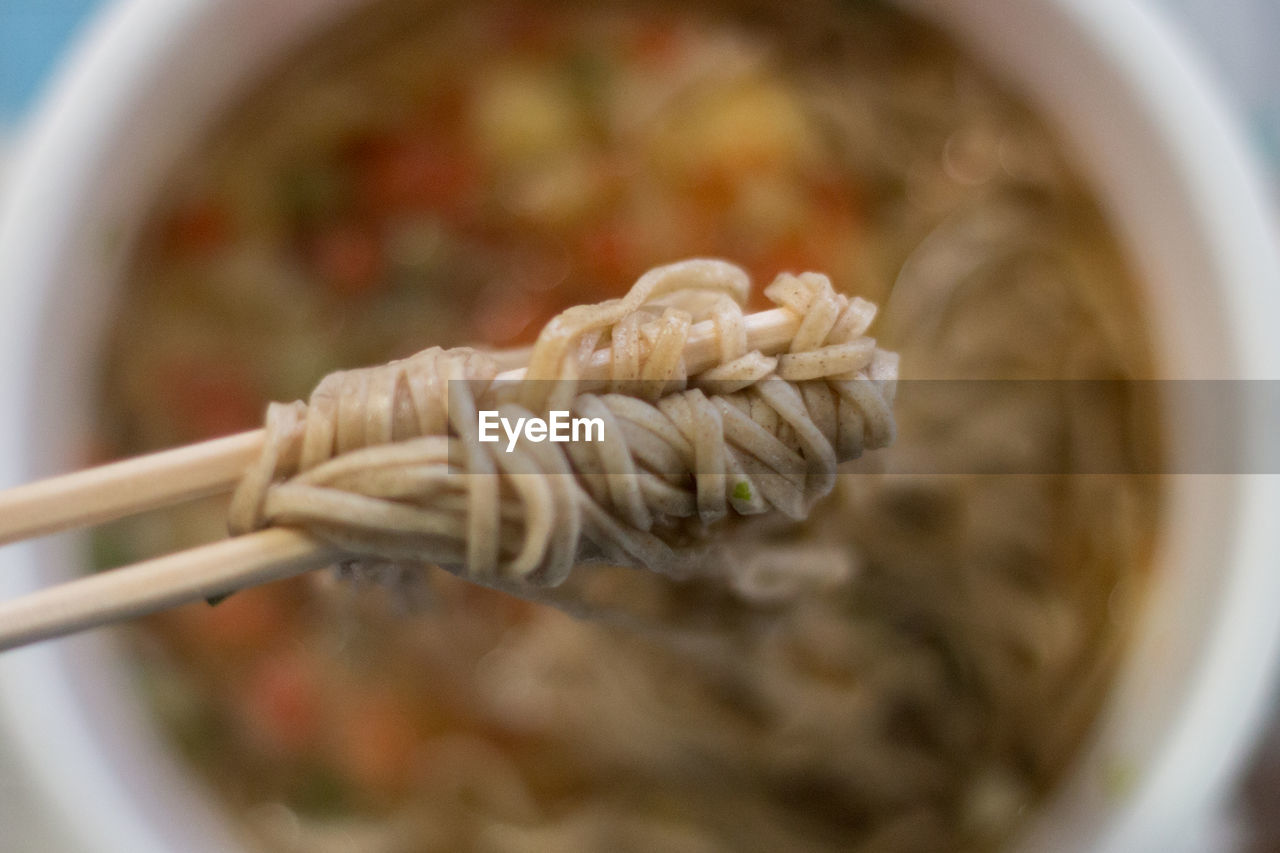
(386, 462)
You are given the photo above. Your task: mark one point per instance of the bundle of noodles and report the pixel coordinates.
(387, 464)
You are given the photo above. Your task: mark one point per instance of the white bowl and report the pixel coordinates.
(1143, 128)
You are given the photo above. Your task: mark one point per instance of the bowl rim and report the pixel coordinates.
(130, 41)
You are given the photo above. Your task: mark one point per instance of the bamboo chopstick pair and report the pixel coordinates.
(119, 489)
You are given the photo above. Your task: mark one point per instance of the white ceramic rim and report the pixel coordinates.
(1199, 750)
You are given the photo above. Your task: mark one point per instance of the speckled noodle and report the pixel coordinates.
(387, 463)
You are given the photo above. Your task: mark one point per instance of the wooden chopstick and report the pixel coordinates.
(147, 482)
(111, 491)
(152, 585)
(119, 489)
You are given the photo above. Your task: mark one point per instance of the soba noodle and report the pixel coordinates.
(387, 463)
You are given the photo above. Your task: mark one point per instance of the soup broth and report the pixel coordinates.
(912, 668)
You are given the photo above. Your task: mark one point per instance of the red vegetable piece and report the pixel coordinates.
(209, 397)
(281, 705)
(658, 43)
(349, 258)
(198, 227)
(418, 169)
(605, 253)
(241, 625)
(378, 743)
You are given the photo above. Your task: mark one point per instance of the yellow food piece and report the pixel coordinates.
(521, 116)
(754, 124)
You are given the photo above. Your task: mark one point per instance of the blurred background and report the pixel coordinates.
(1236, 39)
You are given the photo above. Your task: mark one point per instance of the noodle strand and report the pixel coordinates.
(387, 462)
